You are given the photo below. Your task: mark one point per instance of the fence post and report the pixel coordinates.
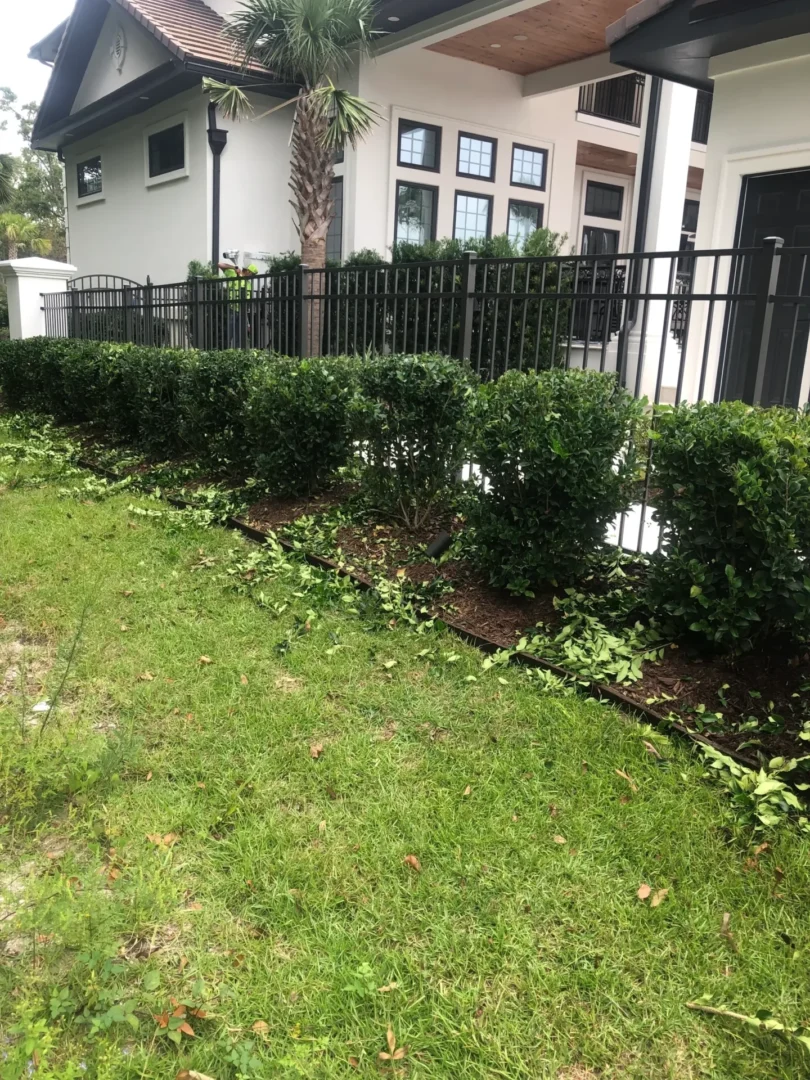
(149, 312)
(766, 276)
(469, 260)
(303, 329)
(129, 315)
(198, 336)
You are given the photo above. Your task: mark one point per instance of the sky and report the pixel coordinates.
(23, 24)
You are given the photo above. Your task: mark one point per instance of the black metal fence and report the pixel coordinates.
(728, 323)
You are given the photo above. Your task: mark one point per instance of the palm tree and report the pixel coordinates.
(6, 179)
(307, 42)
(18, 231)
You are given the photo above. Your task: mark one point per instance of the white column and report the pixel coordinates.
(673, 146)
(26, 280)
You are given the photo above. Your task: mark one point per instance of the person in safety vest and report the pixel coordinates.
(240, 290)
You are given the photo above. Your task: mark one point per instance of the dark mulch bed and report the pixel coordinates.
(271, 513)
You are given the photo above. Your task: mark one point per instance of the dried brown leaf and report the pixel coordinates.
(560, 839)
(146, 676)
(187, 1029)
(204, 660)
(387, 989)
(644, 891)
(413, 862)
(149, 775)
(354, 1062)
(629, 779)
(467, 790)
(315, 750)
(261, 1027)
(243, 679)
(552, 809)
(659, 897)
(651, 748)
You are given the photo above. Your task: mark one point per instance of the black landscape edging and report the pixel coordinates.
(598, 690)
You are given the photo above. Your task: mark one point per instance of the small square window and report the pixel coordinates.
(473, 217)
(167, 151)
(604, 200)
(529, 167)
(416, 213)
(88, 177)
(334, 238)
(524, 219)
(419, 145)
(476, 156)
(597, 241)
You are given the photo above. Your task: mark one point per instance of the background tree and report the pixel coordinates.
(6, 179)
(17, 231)
(308, 42)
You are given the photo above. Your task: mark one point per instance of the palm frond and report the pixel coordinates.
(6, 179)
(351, 118)
(304, 40)
(232, 101)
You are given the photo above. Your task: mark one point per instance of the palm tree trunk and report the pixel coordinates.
(311, 177)
(13, 250)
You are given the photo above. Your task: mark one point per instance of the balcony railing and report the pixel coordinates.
(703, 114)
(614, 99)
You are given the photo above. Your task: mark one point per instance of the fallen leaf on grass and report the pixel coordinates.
(628, 778)
(205, 660)
(183, 964)
(315, 750)
(354, 1062)
(393, 1054)
(195, 906)
(243, 679)
(168, 839)
(644, 891)
(322, 827)
(413, 862)
(762, 848)
(127, 592)
(560, 839)
(652, 749)
(192, 1074)
(467, 790)
(725, 930)
(146, 676)
(659, 897)
(387, 989)
(149, 775)
(552, 809)
(261, 1027)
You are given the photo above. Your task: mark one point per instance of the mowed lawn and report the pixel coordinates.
(312, 828)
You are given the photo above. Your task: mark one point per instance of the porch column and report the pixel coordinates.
(26, 280)
(664, 217)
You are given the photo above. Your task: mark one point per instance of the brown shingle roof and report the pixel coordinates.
(189, 29)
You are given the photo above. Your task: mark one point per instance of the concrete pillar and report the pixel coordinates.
(673, 144)
(26, 280)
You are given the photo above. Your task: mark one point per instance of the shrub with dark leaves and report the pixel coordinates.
(560, 451)
(732, 493)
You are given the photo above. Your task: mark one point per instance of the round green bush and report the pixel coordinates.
(414, 423)
(559, 451)
(299, 421)
(731, 490)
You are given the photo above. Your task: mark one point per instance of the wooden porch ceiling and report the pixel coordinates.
(542, 37)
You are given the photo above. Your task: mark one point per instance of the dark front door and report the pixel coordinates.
(774, 204)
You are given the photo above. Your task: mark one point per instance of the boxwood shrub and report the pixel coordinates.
(732, 493)
(560, 453)
(299, 420)
(211, 395)
(414, 422)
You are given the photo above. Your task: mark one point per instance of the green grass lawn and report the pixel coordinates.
(335, 827)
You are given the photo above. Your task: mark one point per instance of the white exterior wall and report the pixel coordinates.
(459, 95)
(255, 203)
(102, 77)
(134, 228)
(759, 125)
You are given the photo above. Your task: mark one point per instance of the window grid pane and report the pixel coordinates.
(528, 167)
(415, 212)
(88, 177)
(475, 156)
(334, 238)
(596, 241)
(472, 217)
(603, 200)
(524, 219)
(417, 146)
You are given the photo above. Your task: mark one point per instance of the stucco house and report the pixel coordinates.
(497, 116)
(755, 57)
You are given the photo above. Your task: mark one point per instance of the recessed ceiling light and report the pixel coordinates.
(393, 18)
(521, 37)
(495, 45)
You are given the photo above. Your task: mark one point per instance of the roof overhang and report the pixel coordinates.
(46, 50)
(678, 40)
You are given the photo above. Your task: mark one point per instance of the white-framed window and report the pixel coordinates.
(604, 212)
(89, 178)
(166, 150)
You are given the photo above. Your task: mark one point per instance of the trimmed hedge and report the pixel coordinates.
(414, 421)
(299, 421)
(560, 453)
(732, 494)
